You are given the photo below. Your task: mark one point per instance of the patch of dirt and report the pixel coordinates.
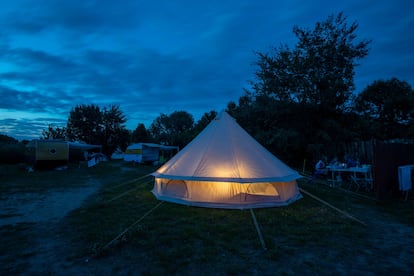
(37, 217)
(43, 207)
(391, 243)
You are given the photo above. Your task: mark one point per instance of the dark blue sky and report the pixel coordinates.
(153, 57)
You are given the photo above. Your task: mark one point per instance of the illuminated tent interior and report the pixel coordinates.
(224, 167)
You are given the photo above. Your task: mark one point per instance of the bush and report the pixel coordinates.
(12, 153)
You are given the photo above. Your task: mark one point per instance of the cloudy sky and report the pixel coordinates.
(153, 57)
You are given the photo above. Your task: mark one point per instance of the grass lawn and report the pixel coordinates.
(305, 237)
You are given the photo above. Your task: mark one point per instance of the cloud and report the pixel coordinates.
(80, 17)
(27, 129)
(160, 56)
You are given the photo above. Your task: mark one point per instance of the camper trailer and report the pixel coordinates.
(47, 153)
(52, 153)
(148, 152)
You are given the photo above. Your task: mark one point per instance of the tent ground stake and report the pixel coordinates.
(259, 233)
(331, 206)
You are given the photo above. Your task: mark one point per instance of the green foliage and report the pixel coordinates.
(174, 129)
(53, 132)
(90, 124)
(85, 123)
(204, 121)
(302, 96)
(388, 107)
(319, 71)
(12, 153)
(7, 139)
(178, 128)
(140, 135)
(115, 133)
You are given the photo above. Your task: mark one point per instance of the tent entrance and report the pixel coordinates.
(175, 188)
(263, 189)
(260, 192)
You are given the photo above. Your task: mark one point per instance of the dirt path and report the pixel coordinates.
(43, 207)
(390, 245)
(39, 247)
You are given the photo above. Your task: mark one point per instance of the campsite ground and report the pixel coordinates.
(57, 222)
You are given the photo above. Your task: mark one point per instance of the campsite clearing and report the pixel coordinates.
(305, 237)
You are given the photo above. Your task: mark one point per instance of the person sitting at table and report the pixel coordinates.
(334, 163)
(320, 169)
(350, 162)
(320, 165)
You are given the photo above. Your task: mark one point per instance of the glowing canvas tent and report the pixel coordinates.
(224, 167)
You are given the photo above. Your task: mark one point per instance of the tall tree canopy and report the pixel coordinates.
(319, 70)
(173, 129)
(85, 123)
(115, 132)
(301, 97)
(389, 106)
(140, 134)
(90, 124)
(204, 121)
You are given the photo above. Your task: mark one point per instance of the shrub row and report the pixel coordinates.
(12, 153)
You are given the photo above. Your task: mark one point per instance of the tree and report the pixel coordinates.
(319, 71)
(11, 151)
(7, 139)
(174, 129)
(159, 129)
(115, 133)
(90, 124)
(204, 121)
(85, 124)
(54, 132)
(140, 134)
(389, 106)
(302, 95)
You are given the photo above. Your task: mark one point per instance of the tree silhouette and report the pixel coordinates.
(90, 124)
(140, 135)
(174, 129)
(388, 105)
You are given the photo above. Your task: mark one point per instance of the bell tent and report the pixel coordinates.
(224, 167)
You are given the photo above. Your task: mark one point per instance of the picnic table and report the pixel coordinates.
(360, 176)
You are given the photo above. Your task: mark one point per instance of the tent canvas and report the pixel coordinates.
(224, 167)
